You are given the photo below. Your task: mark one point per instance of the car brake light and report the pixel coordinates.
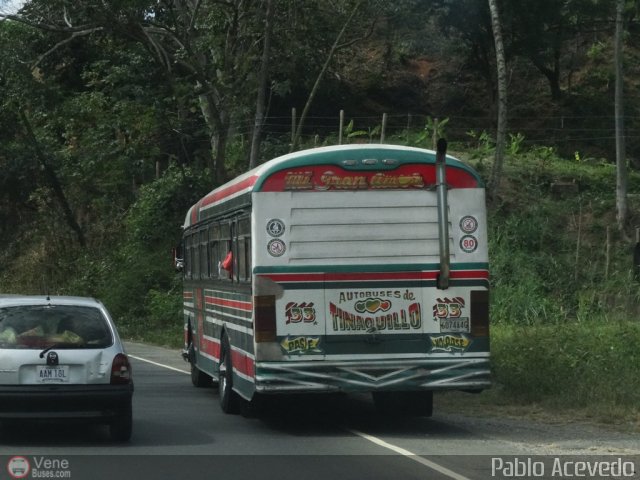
(480, 313)
(264, 318)
(120, 370)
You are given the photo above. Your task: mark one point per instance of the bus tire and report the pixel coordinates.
(405, 404)
(198, 377)
(229, 400)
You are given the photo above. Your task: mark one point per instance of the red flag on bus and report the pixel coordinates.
(227, 262)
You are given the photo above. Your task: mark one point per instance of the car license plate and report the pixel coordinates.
(454, 325)
(51, 374)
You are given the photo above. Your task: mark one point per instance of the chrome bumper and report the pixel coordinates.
(362, 376)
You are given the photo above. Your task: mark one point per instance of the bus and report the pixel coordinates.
(352, 268)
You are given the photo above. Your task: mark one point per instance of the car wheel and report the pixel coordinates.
(406, 404)
(229, 400)
(198, 377)
(121, 427)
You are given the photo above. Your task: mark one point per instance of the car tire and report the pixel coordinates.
(199, 379)
(230, 401)
(121, 427)
(404, 404)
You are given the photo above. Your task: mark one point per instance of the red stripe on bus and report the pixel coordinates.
(469, 274)
(244, 306)
(410, 176)
(210, 347)
(223, 193)
(243, 363)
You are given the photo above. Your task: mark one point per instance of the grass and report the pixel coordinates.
(589, 366)
(585, 372)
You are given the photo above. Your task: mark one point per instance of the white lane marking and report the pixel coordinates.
(411, 456)
(159, 364)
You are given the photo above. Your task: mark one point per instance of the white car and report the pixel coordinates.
(62, 358)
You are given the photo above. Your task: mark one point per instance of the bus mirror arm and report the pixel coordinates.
(443, 214)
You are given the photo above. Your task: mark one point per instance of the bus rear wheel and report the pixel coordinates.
(407, 404)
(230, 401)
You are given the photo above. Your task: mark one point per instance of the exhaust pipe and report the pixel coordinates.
(443, 214)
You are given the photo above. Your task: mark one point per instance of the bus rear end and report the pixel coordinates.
(347, 276)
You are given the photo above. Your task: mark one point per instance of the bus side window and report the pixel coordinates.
(233, 246)
(214, 258)
(203, 253)
(195, 257)
(224, 247)
(189, 256)
(244, 250)
(185, 257)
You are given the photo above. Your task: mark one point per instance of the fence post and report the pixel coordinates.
(575, 272)
(636, 256)
(607, 254)
(384, 127)
(293, 125)
(341, 127)
(435, 133)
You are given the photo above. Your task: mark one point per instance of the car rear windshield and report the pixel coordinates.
(62, 326)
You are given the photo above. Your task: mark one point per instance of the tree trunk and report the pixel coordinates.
(496, 172)
(218, 133)
(262, 87)
(316, 85)
(621, 166)
(54, 182)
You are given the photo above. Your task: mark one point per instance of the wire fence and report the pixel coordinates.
(565, 132)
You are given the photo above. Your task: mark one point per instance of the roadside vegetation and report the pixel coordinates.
(565, 305)
(116, 117)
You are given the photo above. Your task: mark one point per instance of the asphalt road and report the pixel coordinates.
(180, 432)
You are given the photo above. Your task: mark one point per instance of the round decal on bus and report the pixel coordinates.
(468, 243)
(468, 224)
(275, 227)
(276, 247)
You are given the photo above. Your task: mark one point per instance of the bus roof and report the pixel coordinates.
(356, 158)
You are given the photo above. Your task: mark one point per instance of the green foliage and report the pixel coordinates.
(591, 364)
(484, 144)
(434, 128)
(142, 261)
(515, 143)
(350, 133)
(110, 107)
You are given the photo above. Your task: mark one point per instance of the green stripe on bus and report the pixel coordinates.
(366, 268)
(380, 284)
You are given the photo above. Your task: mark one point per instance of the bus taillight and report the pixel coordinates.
(264, 318)
(480, 313)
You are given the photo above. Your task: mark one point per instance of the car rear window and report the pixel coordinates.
(62, 326)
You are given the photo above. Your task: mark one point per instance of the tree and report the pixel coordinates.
(210, 43)
(621, 166)
(541, 31)
(336, 46)
(496, 172)
(262, 86)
